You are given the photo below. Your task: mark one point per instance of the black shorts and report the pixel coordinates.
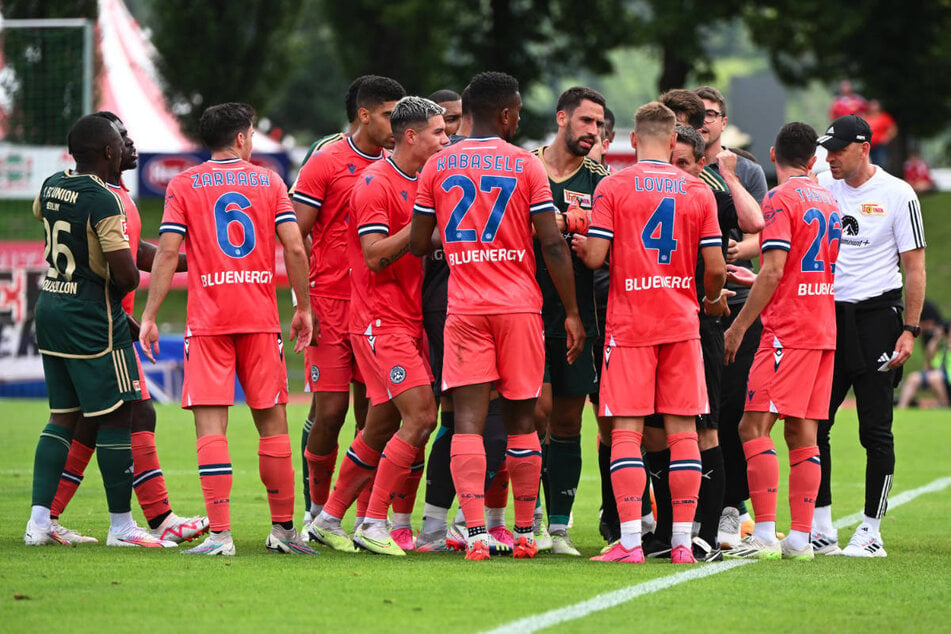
(577, 379)
(434, 323)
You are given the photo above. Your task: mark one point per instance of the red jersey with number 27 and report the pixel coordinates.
(483, 192)
(657, 218)
(802, 218)
(228, 211)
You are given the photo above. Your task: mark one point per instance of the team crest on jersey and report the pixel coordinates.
(581, 198)
(314, 374)
(351, 167)
(397, 374)
(872, 209)
(136, 386)
(850, 226)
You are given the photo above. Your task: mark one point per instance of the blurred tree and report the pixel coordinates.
(43, 71)
(898, 52)
(217, 51)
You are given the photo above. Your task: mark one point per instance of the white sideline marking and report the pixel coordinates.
(617, 597)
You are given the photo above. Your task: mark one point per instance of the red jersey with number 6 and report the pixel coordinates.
(657, 218)
(228, 211)
(483, 192)
(802, 218)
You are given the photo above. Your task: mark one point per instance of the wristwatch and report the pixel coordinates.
(914, 330)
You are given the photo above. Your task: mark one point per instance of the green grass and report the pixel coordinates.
(95, 589)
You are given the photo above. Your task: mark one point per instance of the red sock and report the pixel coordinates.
(395, 465)
(467, 464)
(320, 470)
(804, 475)
(627, 473)
(497, 495)
(356, 472)
(762, 471)
(685, 472)
(76, 462)
(524, 457)
(148, 481)
(406, 499)
(214, 471)
(277, 474)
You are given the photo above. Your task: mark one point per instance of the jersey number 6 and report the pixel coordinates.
(229, 208)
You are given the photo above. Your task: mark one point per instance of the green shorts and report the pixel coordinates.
(94, 386)
(577, 379)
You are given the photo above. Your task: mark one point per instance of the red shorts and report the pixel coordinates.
(791, 382)
(211, 362)
(506, 349)
(391, 363)
(330, 365)
(142, 384)
(664, 379)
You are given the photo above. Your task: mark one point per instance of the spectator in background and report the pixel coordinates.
(884, 130)
(916, 173)
(846, 102)
(934, 372)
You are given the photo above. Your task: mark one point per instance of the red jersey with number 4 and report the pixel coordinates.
(325, 183)
(391, 300)
(657, 218)
(133, 229)
(802, 218)
(483, 192)
(228, 211)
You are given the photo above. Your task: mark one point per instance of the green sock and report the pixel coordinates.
(48, 463)
(114, 453)
(564, 473)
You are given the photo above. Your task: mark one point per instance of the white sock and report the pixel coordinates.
(766, 531)
(460, 517)
(220, 536)
(327, 518)
(403, 520)
(647, 523)
(631, 534)
(120, 522)
(680, 534)
(822, 519)
(434, 518)
(358, 521)
(494, 517)
(315, 509)
(797, 540)
(40, 516)
(745, 517)
(372, 520)
(873, 524)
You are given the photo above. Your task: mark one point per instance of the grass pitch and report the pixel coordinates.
(95, 589)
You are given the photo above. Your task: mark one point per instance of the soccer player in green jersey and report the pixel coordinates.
(82, 332)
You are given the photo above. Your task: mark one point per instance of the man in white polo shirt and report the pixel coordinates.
(882, 235)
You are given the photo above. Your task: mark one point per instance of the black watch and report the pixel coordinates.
(914, 330)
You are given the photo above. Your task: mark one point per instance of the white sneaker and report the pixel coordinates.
(375, 537)
(865, 543)
(543, 540)
(825, 543)
(561, 544)
(72, 537)
(137, 536)
(728, 532)
(36, 536)
(180, 529)
(286, 541)
(753, 547)
(805, 554)
(214, 544)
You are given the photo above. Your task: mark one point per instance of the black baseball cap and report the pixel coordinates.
(846, 130)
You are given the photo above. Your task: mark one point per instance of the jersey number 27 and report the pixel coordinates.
(505, 185)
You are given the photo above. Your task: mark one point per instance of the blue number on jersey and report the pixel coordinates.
(664, 243)
(811, 261)
(223, 219)
(834, 235)
(505, 185)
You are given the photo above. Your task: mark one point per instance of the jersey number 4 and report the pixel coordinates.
(811, 262)
(230, 208)
(658, 233)
(505, 185)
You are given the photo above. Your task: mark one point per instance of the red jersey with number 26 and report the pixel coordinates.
(657, 218)
(483, 192)
(802, 218)
(391, 300)
(228, 211)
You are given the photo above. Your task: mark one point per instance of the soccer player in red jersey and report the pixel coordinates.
(658, 218)
(791, 375)
(486, 195)
(322, 203)
(227, 211)
(386, 328)
(148, 481)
